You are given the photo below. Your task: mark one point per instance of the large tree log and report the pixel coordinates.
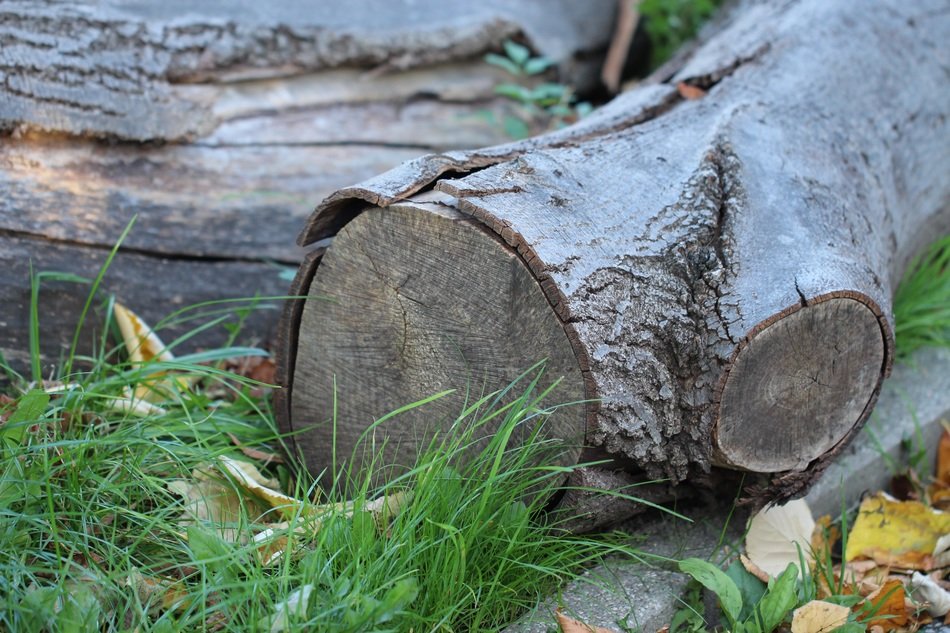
(248, 112)
(712, 276)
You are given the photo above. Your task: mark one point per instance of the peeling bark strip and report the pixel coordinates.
(157, 70)
(723, 268)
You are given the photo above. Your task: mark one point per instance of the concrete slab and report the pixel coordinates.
(642, 596)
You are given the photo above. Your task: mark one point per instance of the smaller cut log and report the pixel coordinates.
(721, 267)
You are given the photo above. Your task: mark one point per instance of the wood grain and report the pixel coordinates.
(406, 303)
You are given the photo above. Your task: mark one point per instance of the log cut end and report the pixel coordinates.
(799, 386)
(406, 302)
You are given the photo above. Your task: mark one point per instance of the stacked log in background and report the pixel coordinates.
(220, 125)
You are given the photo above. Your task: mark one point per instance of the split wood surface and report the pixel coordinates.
(717, 272)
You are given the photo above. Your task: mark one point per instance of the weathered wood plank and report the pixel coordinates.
(153, 285)
(121, 69)
(252, 112)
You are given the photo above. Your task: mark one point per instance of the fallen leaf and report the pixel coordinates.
(251, 479)
(754, 569)
(295, 606)
(144, 346)
(570, 625)
(271, 544)
(209, 500)
(138, 407)
(819, 616)
(689, 92)
(936, 599)
(778, 535)
(943, 458)
(897, 533)
(887, 605)
(385, 509)
(941, 553)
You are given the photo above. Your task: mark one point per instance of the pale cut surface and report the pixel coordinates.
(799, 386)
(410, 301)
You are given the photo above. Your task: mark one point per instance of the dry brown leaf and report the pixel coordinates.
(779, 535)
(753, 569)
(819, 616)
(943, 458)
(570, 625)
(896, 533)
(142, 344)
(889, 606)
(689, 92)
(824, 535)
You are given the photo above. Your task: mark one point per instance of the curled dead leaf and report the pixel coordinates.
(144, 346)
(251, 479)
(936, 599)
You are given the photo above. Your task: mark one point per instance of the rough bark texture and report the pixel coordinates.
(147, 70)
(683, 242)
(218, 124)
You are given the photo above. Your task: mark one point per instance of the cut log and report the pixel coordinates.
(722, 268)
(218, 124)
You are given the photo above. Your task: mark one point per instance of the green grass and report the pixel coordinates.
(671, 23)
(922, 301)
(92, 538)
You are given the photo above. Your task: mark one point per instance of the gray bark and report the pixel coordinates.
(742, 245)
(154, 70)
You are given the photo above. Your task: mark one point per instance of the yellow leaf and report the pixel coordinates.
(819, 616)
(141, 342)
(144, 346)
(778, 534)
(897, 533)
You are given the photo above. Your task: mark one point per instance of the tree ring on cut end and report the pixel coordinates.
(409, 301)
(799, 386)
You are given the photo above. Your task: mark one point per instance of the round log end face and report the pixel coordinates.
(799, 386)
(410, 301)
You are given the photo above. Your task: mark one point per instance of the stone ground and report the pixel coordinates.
(643, 595)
